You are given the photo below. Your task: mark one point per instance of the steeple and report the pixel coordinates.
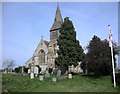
(58, 20)
(58, 16)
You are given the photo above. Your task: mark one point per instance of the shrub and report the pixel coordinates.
(118, 78)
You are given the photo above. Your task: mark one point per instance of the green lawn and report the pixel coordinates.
(17, 83)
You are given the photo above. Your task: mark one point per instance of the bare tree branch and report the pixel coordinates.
(8, 64)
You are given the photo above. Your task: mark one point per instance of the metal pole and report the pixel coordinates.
(113, 66)
(112, 57)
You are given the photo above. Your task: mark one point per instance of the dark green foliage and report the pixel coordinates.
(26, 70)
(70, 52)
(18, 69)
(99, 57)
(83, 64)
(117, 78)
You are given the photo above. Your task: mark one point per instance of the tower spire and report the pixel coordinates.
(58, 19)
(57, 4)
(58, 16)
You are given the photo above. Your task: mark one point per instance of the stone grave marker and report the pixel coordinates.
(54, 79)
(47, 74)
(69, 76)
(36, 70)
(31, 75)
(59, 73)
(72, 68)
(41, 77)
(66, 73)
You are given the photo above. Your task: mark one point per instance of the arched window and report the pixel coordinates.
(41, 56)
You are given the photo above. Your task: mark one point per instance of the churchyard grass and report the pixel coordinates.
(19, 83)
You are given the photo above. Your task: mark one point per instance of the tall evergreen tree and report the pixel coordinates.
(70, 52)
(99, 57)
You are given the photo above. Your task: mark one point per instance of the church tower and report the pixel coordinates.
(46, 52)
(54, 34)
(54, 31)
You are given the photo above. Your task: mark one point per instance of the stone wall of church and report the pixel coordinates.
(41, 47)
(36, 59)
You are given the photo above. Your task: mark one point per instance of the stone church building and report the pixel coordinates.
(46, 52)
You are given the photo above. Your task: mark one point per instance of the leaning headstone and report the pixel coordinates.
(41, 78)
(69, 76)
(54, 79)
(59, 73)
(31, 75)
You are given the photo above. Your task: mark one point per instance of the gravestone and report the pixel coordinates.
(43, 69)
(66, 73)
(55, 71)
(54, 79)
(31, 75)
(59, 73)
(41, 78)
(69, 76)
(47, 74)
(72, 68)
(36, 70)
(76, 69)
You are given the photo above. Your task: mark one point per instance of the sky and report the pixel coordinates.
(24, 23)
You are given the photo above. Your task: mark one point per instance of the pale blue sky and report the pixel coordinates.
(23, 24)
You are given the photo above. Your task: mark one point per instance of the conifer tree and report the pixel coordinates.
(70, 52)
(99, 57)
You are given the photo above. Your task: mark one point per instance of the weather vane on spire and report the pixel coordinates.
(42, 37)
(57, 4)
